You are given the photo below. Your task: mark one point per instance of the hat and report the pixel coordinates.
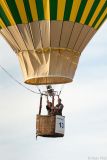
(49, 87)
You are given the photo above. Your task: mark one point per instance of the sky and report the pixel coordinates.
(85, 109)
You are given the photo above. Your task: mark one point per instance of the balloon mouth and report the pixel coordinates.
(48, 80)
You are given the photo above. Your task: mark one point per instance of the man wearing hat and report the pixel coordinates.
(59, 107)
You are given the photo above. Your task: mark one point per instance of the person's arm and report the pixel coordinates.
(47, 107)
(61, 106)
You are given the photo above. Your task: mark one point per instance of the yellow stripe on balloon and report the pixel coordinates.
(33, 9)
(7, 12)
(74, 11)
(2, 24)
(46, 9)
(60, 9)
(21, 9)
(101, 19)
(97, 12)
(86, 11)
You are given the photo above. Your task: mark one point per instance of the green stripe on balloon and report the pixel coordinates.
(95, 5)
(15, 13)
(105, 18)
(4, 17)
(68, 8)
(100, 13)
(40, 9)
(28, 11)
(81, 10)
(53, 9)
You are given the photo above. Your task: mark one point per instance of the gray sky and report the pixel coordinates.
(85, 102)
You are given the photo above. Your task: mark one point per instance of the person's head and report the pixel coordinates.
(50, 90)
(49, 87)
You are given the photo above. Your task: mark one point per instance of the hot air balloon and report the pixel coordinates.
(48, 36)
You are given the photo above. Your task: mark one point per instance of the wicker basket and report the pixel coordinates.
(45, 126)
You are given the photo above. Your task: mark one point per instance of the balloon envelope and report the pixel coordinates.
(48, 36)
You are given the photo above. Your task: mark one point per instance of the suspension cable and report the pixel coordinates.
(17, 80)
(62, 87)
(39, 89)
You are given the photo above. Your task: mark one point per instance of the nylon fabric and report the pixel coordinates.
(87, 12)
(48, 52)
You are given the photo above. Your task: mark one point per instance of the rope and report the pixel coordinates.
(39, 89)
(62, 87)
(17, 80)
